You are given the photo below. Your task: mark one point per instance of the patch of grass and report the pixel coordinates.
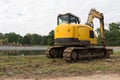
(41, 65)
(117, 52)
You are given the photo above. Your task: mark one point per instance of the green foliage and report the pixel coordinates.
(26, 40)
(51, 38)
(13, 37)
(35, 39)
(112, 35)
(1, 36)
(114, 26)
(44, 40)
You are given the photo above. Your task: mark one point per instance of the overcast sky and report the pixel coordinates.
(39, 16)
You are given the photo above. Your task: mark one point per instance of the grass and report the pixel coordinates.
(42, 66)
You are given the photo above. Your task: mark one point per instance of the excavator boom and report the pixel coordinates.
(95, 14)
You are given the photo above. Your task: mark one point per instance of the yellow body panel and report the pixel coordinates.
(64, 31)
(77, 31)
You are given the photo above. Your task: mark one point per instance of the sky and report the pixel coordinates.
(40, 16)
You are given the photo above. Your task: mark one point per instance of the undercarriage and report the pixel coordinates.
(78, 53)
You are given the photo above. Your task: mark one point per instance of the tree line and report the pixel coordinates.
(112, 37)
(29, 39)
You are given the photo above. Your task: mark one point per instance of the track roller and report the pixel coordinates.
(54, 51)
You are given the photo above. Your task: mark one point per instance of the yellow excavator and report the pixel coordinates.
(74, 41)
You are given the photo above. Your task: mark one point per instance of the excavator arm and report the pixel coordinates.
(95, 14)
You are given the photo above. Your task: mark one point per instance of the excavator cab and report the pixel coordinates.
(67, 18)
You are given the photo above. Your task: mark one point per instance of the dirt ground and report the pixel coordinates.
(88, 77)
(34, 66)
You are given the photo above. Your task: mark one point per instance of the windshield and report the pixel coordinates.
(68, 19)
(63, 19)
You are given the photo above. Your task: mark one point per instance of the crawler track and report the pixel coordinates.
(54, 51)
(78, 53)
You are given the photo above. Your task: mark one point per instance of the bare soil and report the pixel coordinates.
(88, 77)
(91, 77)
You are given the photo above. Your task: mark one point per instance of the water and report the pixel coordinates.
(23, 53)
(31, 50)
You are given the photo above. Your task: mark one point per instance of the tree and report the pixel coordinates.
(114, 26)
(43, 40)
(112, 35)
(26, 40)
(51, 38)
(12, 37)
(35, 39)
(1, 36)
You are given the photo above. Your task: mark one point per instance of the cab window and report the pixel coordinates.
(73, 20)
(91, 34)
(63, 19)
(68, 19)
